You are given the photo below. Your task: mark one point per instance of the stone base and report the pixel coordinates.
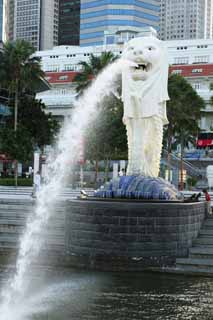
(129, 235)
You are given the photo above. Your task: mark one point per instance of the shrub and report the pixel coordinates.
(24, 182)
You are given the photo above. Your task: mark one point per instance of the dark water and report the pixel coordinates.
(70, 295)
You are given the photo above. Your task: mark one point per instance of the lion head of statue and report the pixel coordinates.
(148, 55)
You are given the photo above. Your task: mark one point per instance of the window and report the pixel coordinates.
(201, 59)
(181, 60)
(197, 70)
(182, 48)
(68, 67)
(178, 71)
(197, 85)
(52, 68)
(110, 40)
(202, 46)
(63, 77)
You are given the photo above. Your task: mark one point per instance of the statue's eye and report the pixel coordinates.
(130, 48)
(151, 48)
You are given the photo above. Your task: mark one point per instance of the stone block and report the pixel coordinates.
(128, 229)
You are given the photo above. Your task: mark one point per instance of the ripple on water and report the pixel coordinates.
(68, 295)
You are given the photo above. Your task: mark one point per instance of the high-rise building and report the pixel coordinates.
(69, 22)
(1, 18)
(186, 19)
(49, 15)
(105, 16)
(9, 6)
(34, 20)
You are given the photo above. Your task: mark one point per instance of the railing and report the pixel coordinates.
(175, 163)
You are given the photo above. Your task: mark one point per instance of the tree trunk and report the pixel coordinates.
(15, 129)
(96, 170)
(169, 151)
(16, 172)
(16, 107)
(181, 165)
(106, 169)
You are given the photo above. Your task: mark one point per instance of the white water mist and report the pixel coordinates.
(67, 150)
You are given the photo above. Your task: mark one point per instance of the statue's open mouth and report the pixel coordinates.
(143, 66)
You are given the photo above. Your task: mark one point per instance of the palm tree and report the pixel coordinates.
(184, 111)
(20, 72)
(91, 69)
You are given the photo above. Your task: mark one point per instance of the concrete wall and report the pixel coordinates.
(131, 235)
(106, 235)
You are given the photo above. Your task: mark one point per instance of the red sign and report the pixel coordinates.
(202, 143)
(3, 157)
(81, 152)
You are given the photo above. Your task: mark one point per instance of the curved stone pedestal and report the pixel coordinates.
(130, 235)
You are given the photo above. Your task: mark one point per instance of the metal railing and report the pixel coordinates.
(175, 162)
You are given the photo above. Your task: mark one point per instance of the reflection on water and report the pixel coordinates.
(69, 295)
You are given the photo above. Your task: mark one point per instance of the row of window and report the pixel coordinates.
(198, 46)
(31, 7)
(179, 71)
(66, 67)
(21, 2)
(202, 46)
(27, 11)
(92, 35)
(177, 60)
(118, 12)
(93, 44)
(74, 67)
(144, 5)
(196, 85)
(105, 23)
(197, 59)
(68, 55)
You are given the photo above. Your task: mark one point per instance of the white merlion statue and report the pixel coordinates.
(144, 95)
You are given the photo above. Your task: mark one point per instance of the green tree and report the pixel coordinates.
(106, 137)
(36, 129)
(20, 72)
(184, 111)
(91, 69)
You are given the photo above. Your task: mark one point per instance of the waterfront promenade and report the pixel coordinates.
(26, 193)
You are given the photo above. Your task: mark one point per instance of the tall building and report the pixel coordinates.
(186, 19)
(1, 18)
(69, 22)
(9, 6)
(34, 20)
(105, 16)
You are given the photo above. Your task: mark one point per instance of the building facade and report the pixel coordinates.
(99, 19)
(34, 20)
(191, 58)
(186, 19)
(69, 22)
(60, 99)
(9, 6)
(1, 19)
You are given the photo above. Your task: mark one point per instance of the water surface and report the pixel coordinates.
(69, 295)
